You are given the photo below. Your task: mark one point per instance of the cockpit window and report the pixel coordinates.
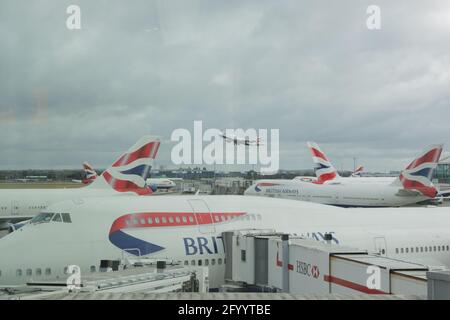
(66, 217)
(57, 217)
(45, 217)
(42, 217)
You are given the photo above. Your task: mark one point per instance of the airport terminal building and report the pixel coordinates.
(442, 172)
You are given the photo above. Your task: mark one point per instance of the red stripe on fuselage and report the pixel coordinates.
(267, 184)
(171, 219)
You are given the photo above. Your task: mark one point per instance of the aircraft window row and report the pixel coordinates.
(37, 207)
(188, 219)
(206, 262)
(45, 217)
(423, 249)
(29, 272)
(246, 217)
(360, 198)
(158, 220)
(4, 208)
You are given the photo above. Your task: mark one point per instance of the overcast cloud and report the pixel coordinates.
(310, 68)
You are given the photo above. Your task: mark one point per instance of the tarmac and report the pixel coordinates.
(64, 295)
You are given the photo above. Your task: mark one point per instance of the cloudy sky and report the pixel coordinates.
(309, 68)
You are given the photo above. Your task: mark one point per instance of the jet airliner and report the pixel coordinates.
(127, 175)
(411, 186)
(188, 229)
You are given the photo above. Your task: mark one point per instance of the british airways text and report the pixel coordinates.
(203, 245)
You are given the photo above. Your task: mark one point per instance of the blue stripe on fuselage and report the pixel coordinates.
(133, 245)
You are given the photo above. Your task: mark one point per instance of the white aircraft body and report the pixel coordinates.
(412, 186)
(188, 229)
(126, 175)
(160, 183)
(237, 140)
(327, 173)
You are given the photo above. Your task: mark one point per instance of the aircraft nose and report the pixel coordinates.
(6, 258)
(14, 258)
(249, 190)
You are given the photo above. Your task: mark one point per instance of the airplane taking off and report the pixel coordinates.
(412, 186)
(243, 141)
(188, 229)
(127, 175)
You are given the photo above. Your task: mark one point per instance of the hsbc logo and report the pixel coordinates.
(307, 269)
(315, 271)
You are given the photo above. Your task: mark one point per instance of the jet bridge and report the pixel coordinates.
(263, 260)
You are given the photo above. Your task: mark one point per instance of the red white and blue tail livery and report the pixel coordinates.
(412, 186)
(417, 176)
(89, 173)
(358, 171)
(130, 172)
(324, 170)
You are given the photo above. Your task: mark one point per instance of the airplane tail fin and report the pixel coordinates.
(418, 174)
(89, 173)
(323, 168)
(131, 170)
(358, 171)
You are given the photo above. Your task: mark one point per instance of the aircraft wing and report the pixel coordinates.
(432, 263)
(5, 220)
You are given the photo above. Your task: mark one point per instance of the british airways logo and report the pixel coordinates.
(120, 236)
(276, 188)
(130, 172)
(127, 242)
(417, 176)
(203, 245)
(323, 169)
(264, 184)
